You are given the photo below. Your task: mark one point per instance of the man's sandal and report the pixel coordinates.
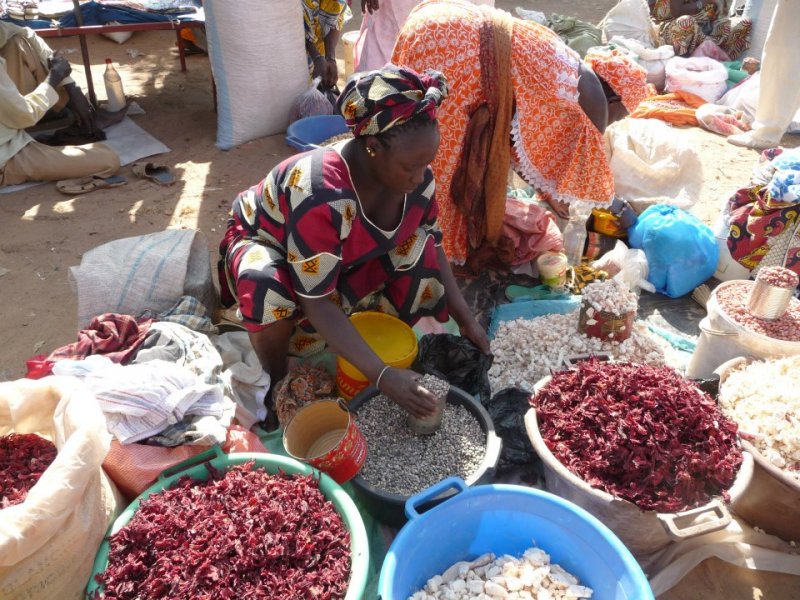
(83, 185)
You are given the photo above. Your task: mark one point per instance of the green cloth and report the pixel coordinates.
(578, 35)
(735, 73)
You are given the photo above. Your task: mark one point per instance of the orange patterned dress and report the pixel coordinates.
(556, 148)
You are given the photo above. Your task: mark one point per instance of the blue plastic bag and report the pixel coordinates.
(681, 252)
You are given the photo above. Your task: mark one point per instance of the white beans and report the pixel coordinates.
(531, 577)
(525, 350)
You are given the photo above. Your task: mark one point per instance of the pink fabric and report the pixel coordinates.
(711, 50)
(532, 229)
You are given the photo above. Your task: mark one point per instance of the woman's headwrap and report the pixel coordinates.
(379, 100)
(625, 76)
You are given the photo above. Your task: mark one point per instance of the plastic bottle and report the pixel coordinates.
(114, 91)
(575, 231)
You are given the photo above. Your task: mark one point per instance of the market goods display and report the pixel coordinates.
(23, 459)
(608, 309)
(610, 296)
(779, 277)
(733, 299)
(530, 577)
(641, 433)
(301, 386)
(241, 534)
(764, 400)
(401, 462)
(430, 424)
(526, 350)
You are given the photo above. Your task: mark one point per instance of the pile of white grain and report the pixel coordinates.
(764, 399)
(525, 350)
(531, 577)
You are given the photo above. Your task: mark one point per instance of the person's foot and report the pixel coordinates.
(748, 140)
(104, 118)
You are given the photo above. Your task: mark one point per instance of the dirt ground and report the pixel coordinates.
(43, 233)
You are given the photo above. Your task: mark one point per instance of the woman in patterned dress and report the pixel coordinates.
(539, 95)
(323, 20)
(345, 228)
(685, 24)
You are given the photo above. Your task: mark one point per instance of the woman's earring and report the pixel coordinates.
(371, 152)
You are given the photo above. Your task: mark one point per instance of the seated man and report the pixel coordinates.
(33, 81)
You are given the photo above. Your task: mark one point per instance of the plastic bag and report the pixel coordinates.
(457, 360)
(654, 60)
(681, 251)
(311, 103)
(578, 35)
(628, 265)
(744, 97)
(48, 543)
(704, 77)
(652, 165)
(507, 409)
(721, 119)
(629, 19)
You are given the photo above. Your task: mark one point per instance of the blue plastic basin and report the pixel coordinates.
(305, 134)
(507, 519)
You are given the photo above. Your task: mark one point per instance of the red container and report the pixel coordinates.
(605, 325)
(325, 435)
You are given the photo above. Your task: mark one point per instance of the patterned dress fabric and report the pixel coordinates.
(320, 17)
(687, 32)
(556, 148)
(625, 76)
(301, 232)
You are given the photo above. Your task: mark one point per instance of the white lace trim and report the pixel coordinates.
(538, 181)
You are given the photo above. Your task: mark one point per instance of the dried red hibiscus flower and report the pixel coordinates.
(640, 433)
(23, 459)
(241, 534)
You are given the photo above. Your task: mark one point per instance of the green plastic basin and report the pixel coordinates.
(195, 468)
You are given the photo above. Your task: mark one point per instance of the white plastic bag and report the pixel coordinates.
(48, 543)
(654, 60)
(721, 119)
(118, 36)
(627, 265)
(702, 76)
(629, 19)
(744, 97)
(311, 103)
(652, 165)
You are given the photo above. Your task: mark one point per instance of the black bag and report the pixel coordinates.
(457, 360)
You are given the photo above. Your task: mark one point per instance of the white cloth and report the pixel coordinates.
(142, 400)
(244, 378)
(779, 95)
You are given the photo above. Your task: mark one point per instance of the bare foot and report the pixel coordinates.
(104, 118)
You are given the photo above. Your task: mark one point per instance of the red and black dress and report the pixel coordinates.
(302, 232)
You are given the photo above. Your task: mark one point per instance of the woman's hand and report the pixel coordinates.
(331, 75)
(320, 67)
(475, 334)
(402, 386)
(371, 5)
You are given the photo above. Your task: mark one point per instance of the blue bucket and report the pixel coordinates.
(507, 519)
(305, 134)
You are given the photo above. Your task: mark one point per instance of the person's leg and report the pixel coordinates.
(779, 92)
(38, 162)
(25, 68)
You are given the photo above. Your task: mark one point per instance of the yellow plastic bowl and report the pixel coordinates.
(391, 339)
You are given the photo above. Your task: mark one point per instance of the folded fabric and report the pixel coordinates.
(189, 312)
(532, 229)
(117, 337)
(677, 108)
(244, 379)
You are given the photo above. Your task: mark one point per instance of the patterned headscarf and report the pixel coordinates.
(625, 76)
(382, 99)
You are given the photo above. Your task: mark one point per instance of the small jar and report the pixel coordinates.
(431, 424)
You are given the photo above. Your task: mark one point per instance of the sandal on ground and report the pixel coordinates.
(83, 185)
(160, 174)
